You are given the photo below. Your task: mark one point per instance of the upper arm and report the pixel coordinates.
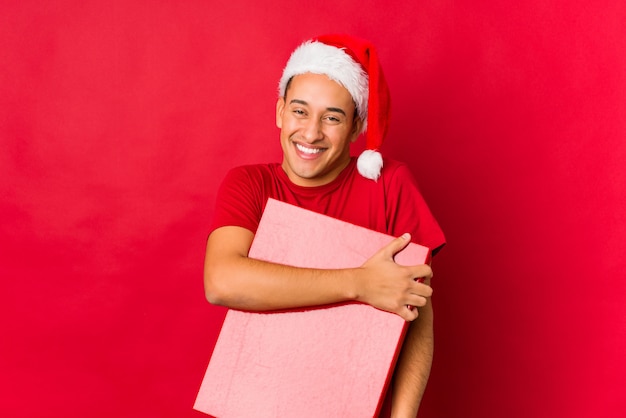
(229, 240)
(225, 245)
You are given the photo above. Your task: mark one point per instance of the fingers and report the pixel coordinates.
(421, 272)
(393, 287)
(417, 298)
(422, 291)
(409, 313)
(397, 245)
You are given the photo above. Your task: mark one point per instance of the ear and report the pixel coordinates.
(280, 108)
(356, 129)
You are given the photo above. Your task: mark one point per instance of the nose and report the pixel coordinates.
(312, 130)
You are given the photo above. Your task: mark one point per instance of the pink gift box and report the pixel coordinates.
(328, 361)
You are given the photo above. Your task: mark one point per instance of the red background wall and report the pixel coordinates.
(118, 120)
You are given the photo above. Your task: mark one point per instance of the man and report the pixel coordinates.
(332, 90)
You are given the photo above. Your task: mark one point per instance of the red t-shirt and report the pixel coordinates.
(391, 205)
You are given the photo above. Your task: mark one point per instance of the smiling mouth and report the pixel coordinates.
(309, 151)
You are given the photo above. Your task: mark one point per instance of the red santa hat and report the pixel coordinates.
(353, 63)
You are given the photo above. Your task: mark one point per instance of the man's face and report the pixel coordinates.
(317, 122)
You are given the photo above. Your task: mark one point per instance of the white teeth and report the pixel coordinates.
(308, 150)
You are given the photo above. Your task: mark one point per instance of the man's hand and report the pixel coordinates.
(392, 287)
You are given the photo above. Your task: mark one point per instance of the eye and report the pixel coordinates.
(298, 112)
(332, 119)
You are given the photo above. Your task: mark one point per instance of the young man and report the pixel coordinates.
(332, 90)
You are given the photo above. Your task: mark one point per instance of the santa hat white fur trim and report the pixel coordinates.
(318, 58)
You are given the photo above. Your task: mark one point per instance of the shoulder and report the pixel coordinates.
(392, 167)
(394, 175)
(407, 206)
(397, 173)
(253, 170)
(251, 174)
(248, 183)
(242, 195)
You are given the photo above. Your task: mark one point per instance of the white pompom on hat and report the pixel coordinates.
(353, 63)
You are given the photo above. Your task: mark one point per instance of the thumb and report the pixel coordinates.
(398, 244)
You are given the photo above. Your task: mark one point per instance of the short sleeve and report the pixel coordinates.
(240, 200)
(407, 210)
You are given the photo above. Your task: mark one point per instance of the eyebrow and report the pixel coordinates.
(330, 109)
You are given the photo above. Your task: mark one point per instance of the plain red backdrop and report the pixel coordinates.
(118, 120)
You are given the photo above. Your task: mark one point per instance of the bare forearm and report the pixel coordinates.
(414, 364)
(259, 286)
(234, 280)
